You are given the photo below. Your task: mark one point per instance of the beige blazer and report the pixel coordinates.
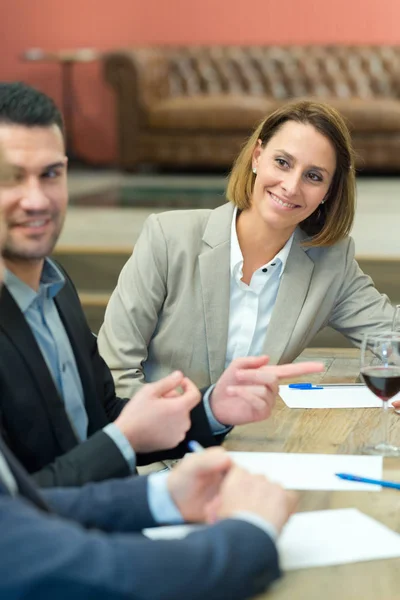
(170, 308)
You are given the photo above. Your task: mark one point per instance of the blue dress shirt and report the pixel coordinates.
(161, 504)
(42, 316)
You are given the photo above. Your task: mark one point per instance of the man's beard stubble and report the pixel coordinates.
(12, 252)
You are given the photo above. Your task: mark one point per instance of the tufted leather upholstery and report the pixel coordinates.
(186, 106)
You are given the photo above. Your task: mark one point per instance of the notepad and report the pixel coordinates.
(319, 538)
(312, 471)
(330, 397)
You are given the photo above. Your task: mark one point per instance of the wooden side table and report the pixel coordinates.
(66, 59)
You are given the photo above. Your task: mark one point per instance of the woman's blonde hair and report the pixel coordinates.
(334, 219)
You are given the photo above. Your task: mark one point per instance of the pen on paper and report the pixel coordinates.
(195, 446)
(382, 482)
(305, 386)
(317, 386)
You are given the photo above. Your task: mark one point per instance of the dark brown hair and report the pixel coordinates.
(22, 104)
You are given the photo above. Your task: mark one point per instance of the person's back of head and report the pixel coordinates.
(22, 104)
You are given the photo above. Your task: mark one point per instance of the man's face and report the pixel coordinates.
(6, 179)
(35, 203)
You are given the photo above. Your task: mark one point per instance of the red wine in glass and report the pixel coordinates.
(380, 369)
(384, 382)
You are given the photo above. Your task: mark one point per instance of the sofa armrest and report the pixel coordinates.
(139, 72)
(139, 78)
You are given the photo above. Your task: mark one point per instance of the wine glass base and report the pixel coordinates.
(381, 449)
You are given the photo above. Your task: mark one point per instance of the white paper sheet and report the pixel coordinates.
(331, 397)
(172, 532)
(312, 471)
(320, 538)
(335, 537)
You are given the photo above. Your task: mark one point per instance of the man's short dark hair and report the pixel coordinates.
(21, 104)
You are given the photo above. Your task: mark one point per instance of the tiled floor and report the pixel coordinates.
(376, 230)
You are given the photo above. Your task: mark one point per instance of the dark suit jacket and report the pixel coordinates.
(33, 420)
(44, 556)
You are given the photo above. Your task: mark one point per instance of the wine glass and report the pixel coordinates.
(382, 376)
(396, 319)
(396, 328)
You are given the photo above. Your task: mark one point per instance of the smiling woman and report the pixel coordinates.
(310, 158)
(259, 275)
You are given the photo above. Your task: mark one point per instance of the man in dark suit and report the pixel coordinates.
(79, 542)
(84, 555)
(58, 409)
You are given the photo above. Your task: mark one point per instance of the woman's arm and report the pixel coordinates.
(359, 306)
(132, 313)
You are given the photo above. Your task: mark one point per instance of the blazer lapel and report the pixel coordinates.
(215, 286)
(14, 325)
(292, 293)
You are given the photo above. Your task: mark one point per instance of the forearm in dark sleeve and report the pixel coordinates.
(115, 505)
(96, 459)
(46, 557)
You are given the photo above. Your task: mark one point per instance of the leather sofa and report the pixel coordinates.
(186, 107)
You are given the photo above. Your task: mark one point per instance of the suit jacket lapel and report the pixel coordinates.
(14, 325)
(215, 286)
(292, 293)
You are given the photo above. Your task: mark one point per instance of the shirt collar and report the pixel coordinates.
(236, 253)
(51, 282)
(237, 256)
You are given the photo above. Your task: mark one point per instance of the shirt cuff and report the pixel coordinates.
(259, 522)
(217, 428)
(162, 507)
(122, 444)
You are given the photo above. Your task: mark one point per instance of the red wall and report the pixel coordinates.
(106, 24)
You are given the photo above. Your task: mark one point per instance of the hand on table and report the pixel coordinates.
(243, 491)
(196, 481)
(396, 406)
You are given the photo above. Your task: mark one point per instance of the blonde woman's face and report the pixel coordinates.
(294, 172)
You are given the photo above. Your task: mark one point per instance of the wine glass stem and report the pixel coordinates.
(385, 423)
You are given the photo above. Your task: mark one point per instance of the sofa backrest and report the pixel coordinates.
(285, 71)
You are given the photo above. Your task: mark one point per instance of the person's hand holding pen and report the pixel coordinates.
(207, 487)
(242, 491)
(195, 482)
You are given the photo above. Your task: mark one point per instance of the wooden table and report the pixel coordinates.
(330, 431)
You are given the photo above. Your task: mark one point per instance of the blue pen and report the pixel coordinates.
(195, 446)
(312, 386)
(305, 386)
(388, 484)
